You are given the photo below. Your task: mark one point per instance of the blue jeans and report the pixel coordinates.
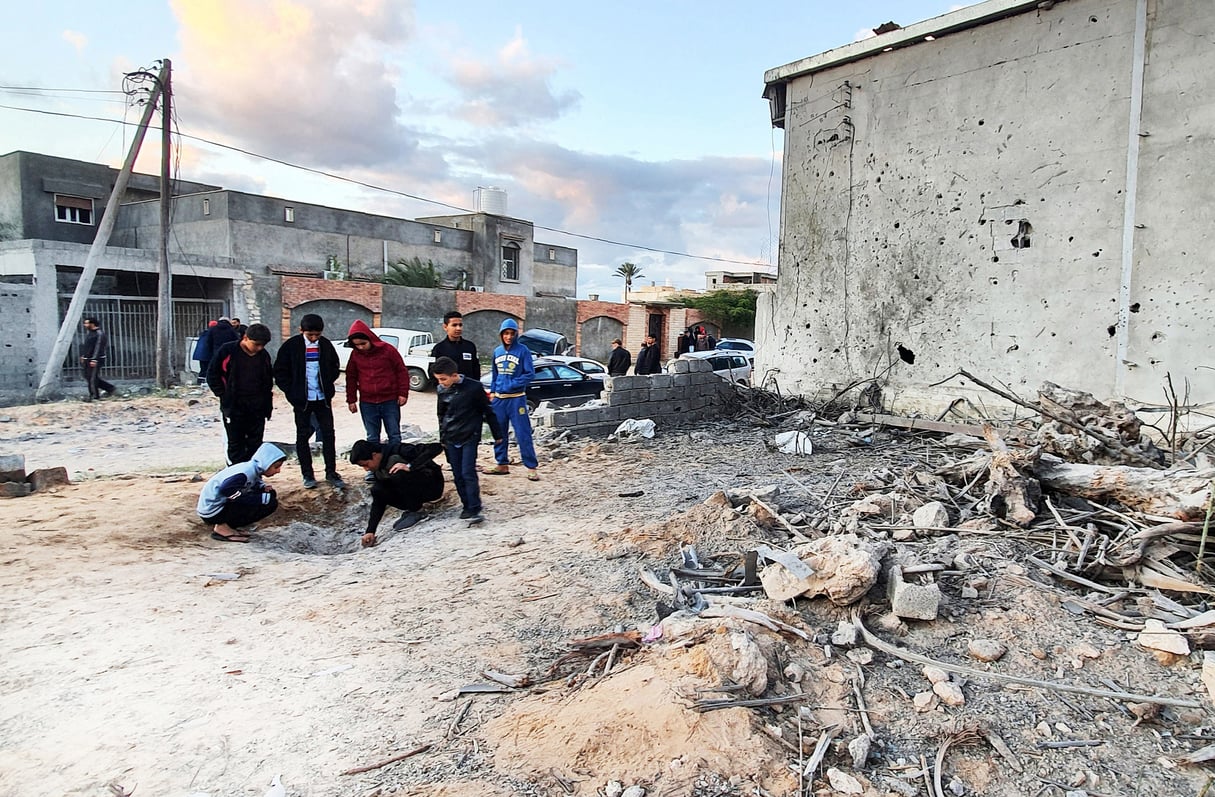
(386, 412)
(512, 414)
(463, 462)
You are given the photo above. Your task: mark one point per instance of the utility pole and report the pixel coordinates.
(164, 297)
(53, 373)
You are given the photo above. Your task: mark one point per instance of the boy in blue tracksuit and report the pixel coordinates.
(512, 372)
(237, 496)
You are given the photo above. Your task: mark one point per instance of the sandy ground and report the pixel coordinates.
(142, 657)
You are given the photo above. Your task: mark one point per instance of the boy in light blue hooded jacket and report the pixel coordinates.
(512, 371)
(237, 496)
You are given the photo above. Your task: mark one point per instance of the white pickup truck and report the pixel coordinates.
(415, 351)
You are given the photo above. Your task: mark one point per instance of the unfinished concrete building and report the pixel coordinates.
(1020, 189)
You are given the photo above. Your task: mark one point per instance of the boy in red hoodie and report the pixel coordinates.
(377, 383)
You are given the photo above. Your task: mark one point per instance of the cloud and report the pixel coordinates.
(305, 80)
(512, 90)
(77, 39)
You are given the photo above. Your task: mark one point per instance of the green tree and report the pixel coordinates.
(629, 271)
(727, 308)
(412, 274)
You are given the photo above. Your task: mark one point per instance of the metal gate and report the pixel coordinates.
(131, 324)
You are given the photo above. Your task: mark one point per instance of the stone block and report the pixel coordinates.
(661, 380)
(564, 418)
(12, 467)
(14, 489)
(618, 383)
(683, 380)
(679, 367)
(932, 515)
(45, 478)
(699, 366)
(912, 601)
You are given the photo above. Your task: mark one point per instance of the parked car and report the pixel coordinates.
(733, 366)
(583, 364)
(559, 383)
(545, 342)
(405, 341)
(741, 345)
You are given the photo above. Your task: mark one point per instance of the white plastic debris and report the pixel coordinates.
(794, 443)
(635, 427)
(276, 787)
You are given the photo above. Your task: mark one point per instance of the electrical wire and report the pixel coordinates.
(393, 191)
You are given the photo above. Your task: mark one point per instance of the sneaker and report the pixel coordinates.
(406, 520)
(336, 481)
(469, 513)
(475, 519)
(309, 483)
(370, 477)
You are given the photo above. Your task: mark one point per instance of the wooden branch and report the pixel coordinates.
(1181, 495)
(1113, 444)
(386, 762)
(920, 424)
(907, 655)
(1019, 495)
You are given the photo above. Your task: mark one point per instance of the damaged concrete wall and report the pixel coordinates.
(962, 202)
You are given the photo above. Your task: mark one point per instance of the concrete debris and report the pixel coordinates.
(843, 783)
(12, 468)
(925, 701)
(932, 515)
(843, 569)
(986, 649)
(912, 601)
(950, 693)
(1208, 673)
(934, 674)
(844, 634)
(861, 656)
(858, 749)
(1155, 636)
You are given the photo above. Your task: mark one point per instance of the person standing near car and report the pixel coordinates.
(306, 369)
(512, 372)
(377, 383)
(93, 351)
(455, 347)
(619, 362)
(647, 358)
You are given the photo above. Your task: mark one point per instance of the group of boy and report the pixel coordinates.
(403, 475)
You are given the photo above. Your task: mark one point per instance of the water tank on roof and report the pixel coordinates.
(490, 199)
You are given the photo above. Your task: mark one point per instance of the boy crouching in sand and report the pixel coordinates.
(463, 407)
(237, 496)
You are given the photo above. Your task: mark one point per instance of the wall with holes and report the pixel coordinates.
(962, 202)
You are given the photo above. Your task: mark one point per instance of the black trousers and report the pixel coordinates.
(92, 375)
(237, 515)
(407, 491)
(322, 413)
(245, 429)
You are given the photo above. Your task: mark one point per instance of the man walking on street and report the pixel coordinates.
(512, 372)
(454, 346)
(242, 375)
(93, 352)
(306, 369)
(619, 362)
(647, 358)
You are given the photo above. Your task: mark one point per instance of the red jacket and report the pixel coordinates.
(377, 374)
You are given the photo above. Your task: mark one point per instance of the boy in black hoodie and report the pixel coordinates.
(463, 406)
(404, 475)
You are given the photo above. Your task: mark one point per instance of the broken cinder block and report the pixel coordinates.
(912, 601)
(45, 478)
(12, 468)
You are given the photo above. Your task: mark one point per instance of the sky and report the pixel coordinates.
(632, 131)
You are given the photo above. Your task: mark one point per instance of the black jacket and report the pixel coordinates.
(462, 408)
(464, 353)
(242, 381)
(407, 489)
(647, 360)
(291, 369)
(619, 362)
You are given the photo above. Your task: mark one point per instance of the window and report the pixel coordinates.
(289, 215)
(552, 254)
(510, 262)
(438, 236)
(73, 209)
(565, 372)
(206, 207)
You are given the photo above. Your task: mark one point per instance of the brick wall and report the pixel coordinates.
(689, 393)
(301, 290)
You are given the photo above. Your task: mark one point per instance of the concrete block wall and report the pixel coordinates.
(689, 392)
(19, 372)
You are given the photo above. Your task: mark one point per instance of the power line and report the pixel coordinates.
(394, 191)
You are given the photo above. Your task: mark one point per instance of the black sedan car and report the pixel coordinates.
(556, 382)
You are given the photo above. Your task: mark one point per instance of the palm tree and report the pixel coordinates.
(629, 271)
